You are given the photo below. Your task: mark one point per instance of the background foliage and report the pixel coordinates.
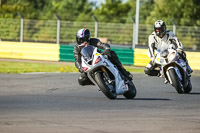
(184, 12)
(115, 19)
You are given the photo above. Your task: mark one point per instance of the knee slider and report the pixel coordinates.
(147, 70)
(81, 80)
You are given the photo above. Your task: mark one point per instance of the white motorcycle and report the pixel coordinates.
(173, 69)
(105, 75)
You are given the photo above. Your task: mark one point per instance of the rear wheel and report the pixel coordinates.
(131, 93)
(107, 88)
(188, 88)
(176, 83)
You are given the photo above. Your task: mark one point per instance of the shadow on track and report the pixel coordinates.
(147, 99)
(194, 93)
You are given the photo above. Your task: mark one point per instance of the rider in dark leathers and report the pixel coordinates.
(83, 39)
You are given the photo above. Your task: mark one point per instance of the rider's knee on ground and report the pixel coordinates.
(151, 72)
(81, 81)
(147, 71)
(84, 80)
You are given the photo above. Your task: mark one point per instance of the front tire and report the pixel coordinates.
(176, 83)
(188, 88)
(131, 93)
(104, 86)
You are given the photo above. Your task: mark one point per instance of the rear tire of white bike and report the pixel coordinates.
(101, 82)
(176, 83)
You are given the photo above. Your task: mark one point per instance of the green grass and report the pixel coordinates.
(135, 69)
(26, 67)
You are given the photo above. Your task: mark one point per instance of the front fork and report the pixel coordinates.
(105, 74)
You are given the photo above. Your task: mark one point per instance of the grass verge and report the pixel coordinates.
(27, 67)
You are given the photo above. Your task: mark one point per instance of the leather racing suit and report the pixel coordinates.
(83, 79)
(156, 43)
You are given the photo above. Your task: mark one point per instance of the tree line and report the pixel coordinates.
(183, 12)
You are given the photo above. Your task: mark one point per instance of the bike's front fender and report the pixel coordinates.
(178, 69)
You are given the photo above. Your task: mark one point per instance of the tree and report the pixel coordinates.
(113, 11)
(68, 10)
(46, 9)
(145, 8)
(184, 12)
(131, 13)
(12, 8)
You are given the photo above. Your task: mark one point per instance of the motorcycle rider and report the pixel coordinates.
(162, 38)
(83, 39)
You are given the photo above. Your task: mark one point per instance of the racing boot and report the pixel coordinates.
(126, 73)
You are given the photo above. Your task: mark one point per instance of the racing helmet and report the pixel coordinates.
(83, 35)
(160, 28)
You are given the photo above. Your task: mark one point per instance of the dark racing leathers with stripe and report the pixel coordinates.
(83, 79)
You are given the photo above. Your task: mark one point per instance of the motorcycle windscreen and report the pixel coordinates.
(164, 53)
(87, 53)
(163, 49)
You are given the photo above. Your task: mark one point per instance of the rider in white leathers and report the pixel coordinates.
(161, 39)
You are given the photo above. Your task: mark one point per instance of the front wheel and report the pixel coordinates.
(131, 93)
(176, 83)
(188, 88)
(107, 88)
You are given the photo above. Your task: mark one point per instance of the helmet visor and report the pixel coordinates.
(160, 31)
(81, 40)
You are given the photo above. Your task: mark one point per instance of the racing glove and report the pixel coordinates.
(180, 51)
(81, 69)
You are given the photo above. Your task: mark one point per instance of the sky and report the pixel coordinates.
(98, 2)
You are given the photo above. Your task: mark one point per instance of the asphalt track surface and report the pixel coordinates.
(55, 103)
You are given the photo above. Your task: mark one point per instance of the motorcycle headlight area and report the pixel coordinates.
(162, 61)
